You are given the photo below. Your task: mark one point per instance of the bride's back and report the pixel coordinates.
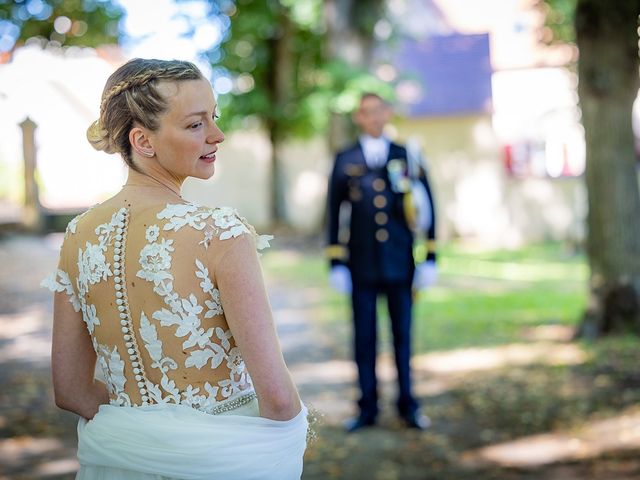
(143, 277)
(152, 287)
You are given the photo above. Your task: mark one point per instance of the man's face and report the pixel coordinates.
(372, 115)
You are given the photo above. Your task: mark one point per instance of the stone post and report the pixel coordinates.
(32, 214)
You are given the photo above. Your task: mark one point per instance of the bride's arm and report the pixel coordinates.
(73, 362)
(244, 300)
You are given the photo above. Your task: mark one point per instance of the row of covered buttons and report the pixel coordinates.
(123, 305)
(381, 218)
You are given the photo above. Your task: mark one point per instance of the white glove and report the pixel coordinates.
(425, 275)
(340, 278)
(424, 215)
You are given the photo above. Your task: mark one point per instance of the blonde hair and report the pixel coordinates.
(131, 96)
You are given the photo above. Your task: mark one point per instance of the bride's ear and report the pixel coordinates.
(140, 142)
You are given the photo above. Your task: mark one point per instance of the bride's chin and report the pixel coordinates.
(205, 175)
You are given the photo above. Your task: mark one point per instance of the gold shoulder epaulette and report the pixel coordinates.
(336, 252)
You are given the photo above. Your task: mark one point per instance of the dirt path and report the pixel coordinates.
(38, 441)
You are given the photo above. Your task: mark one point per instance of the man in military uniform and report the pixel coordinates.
(381, 185)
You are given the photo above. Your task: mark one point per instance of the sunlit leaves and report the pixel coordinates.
(559, 15)
(317, 85)
(59, 22)
(306, 13)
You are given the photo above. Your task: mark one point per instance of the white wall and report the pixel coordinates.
(241, 178)
(475, 196)
(61, 94)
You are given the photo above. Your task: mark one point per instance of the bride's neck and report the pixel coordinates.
(168, 184)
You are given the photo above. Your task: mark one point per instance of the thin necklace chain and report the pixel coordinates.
(157, 181)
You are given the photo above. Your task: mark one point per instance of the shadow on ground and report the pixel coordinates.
(546, 408)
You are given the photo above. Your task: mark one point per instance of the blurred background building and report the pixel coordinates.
(494, 108)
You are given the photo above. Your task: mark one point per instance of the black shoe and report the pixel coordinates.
(356, 423)
(417, 420)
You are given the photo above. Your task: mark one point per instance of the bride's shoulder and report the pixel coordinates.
(193, 215)
(85, 219)
(219, 223)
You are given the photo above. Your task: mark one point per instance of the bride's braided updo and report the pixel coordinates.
(131, 95)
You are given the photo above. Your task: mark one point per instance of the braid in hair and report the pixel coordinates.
(136, 81)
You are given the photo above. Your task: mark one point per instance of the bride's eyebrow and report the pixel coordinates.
(202, 113)
(196, 114)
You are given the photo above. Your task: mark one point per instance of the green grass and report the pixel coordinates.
(481, 299)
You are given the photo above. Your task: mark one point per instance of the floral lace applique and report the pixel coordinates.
(72, 225)
(238, 374)
(59, 281)
(93, 266)
(181, 214)
(206, 403)
(190, 396)
(213, 305)
(225, 222)
(206, 347)
(164, 364)
(113, 369)
(152, 233)
(155, 260)
(211, 347)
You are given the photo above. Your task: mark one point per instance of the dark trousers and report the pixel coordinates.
(399, 302)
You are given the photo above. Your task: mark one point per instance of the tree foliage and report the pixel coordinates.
(559, 19)
(60, 22)
(281, 73)
(295, 100)
(249, 57)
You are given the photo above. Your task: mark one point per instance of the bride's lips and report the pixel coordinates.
(209, 157)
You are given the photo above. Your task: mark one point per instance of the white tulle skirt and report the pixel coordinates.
(162, 442)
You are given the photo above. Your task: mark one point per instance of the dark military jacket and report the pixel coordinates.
(380, 238)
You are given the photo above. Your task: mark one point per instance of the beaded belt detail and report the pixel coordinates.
(232, 404)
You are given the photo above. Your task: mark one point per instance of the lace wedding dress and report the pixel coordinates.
(182, 404)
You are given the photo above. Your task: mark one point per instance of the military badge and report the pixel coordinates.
(398, 175)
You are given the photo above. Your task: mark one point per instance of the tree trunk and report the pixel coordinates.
(350, 39)
(608, 83)
(280, 86)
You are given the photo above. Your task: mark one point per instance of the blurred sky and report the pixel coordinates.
(157, 28)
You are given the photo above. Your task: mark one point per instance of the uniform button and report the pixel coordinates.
(355, 194)
(379, 185)
(380, 201)
(381, 218)
(382, 235)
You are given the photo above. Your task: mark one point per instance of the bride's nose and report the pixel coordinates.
(215, 134)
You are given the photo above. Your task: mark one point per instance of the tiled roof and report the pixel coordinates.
(453, 74)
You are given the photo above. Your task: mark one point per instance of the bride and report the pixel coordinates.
(168, 298)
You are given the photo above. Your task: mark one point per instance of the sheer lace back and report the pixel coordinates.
(144, 280)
